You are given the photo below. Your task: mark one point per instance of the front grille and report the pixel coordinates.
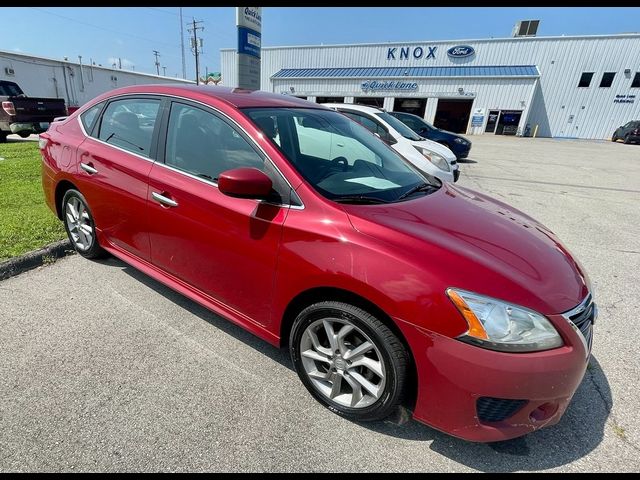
(497, 409)
(583, 317)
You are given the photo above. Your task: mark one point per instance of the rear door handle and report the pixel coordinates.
(166, 201)
(87, 167)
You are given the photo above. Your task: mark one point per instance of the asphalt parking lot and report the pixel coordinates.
(104, 369)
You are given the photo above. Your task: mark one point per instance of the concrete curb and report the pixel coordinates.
(37, 258)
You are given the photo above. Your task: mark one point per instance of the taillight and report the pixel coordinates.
(9, 108)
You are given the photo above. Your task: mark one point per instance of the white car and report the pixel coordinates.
(428, 156)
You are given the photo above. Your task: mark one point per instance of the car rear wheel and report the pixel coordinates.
(3, 137)
(80, 226)
(349, 360)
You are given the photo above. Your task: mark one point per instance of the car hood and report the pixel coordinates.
(474, 242)
(435, 147)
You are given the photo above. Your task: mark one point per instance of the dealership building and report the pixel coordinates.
(568, 86)
(76, 82)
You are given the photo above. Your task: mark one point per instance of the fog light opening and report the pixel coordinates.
(543, 412)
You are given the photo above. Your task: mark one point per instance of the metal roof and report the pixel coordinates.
(399, 72)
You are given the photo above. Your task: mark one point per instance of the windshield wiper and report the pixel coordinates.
(421, 187)
(359, 199)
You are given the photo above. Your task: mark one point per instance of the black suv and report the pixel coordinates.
(629, 132)
(460, 146)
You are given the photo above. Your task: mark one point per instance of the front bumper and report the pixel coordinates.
(465, 391)
(461, 150)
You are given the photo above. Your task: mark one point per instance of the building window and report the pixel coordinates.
(585, 79)
(636, 81)
(607, 79)
(329, 99)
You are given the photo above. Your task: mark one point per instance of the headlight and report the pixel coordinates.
(438, 160)
(460, 140)
(502, 326)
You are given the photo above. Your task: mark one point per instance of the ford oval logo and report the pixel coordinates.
(461, 51)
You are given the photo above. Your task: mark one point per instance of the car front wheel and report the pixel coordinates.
(349, 360)
(80, 226)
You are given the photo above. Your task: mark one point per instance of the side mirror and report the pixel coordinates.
(245, 183)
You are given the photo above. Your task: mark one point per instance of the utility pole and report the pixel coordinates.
(184, 65)
(164, 71)
(157, 54)
(194, 45)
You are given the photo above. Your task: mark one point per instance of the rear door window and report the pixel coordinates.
(129, 124)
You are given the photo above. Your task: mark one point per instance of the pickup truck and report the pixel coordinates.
(24, 115)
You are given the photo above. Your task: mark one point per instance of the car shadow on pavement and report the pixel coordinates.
(279, 355)
(467, 160)
(579, 431)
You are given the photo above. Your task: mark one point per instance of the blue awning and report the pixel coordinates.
(399, 72)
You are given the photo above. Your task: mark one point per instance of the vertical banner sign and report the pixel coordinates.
(249, 23)
(477, 118)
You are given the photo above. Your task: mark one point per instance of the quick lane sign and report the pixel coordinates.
(249, 23)
(374, 85)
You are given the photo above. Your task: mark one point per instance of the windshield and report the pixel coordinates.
(341, 159)
(399, 127)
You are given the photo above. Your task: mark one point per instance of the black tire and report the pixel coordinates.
(614, 139)
(393, 356)
(3, 137)
(24, 134)
(94, 250)
(627, 139)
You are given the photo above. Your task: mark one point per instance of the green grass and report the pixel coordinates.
(26, 223)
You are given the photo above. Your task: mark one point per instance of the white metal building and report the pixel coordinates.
(575, 87)
(76, 83)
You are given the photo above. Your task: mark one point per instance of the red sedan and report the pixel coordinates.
(388, 286)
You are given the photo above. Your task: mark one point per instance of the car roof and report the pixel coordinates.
(354, 106)
(237, 97)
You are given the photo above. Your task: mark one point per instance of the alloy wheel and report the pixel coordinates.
(79, 224)
(342, 362)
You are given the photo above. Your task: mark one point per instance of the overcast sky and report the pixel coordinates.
(130, 34)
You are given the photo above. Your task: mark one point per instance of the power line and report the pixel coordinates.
(194, 45)
(163, 11)
(157, 54)
(103, 28)
(184, 65)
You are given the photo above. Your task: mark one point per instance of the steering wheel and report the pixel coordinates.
(338, 164)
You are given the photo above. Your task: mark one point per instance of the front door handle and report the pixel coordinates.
(166, 201)
(87, 167)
